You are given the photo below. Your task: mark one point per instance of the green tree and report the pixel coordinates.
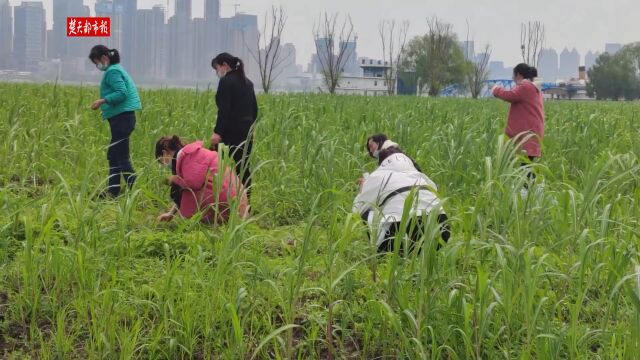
(616, 76)
(436, 58)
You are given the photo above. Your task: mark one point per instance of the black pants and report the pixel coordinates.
(176, 194)
(414, 229)
(531, 176)
(241, 152)
(122, 126)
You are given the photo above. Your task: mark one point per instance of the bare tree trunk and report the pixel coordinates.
(532, 36)
(269, 56)
(479, 72)
(332, 62)
(393, 47)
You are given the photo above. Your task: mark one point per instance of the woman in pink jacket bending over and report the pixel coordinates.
(526, 113)
(198, 184)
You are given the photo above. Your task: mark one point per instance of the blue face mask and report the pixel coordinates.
(101, 66)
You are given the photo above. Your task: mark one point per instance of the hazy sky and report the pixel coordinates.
(583, 24)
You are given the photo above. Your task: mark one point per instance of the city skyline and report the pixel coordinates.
(586, 25)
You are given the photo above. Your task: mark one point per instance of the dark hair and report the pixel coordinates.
(384, 154)
(526, 71)
(378, 139)
(234, 63)
(172, 143)
(99, 50)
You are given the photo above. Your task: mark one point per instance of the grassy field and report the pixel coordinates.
(546, 277)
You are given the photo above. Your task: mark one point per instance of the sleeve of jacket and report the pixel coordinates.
(116, 83)
(223, 101)
(513, 96)
(368, 196)
(191, 175)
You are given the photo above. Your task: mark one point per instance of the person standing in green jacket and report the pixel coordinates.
(118, 102)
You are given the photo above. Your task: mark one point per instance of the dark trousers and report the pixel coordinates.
(531, 176)
(176, 194)
(122, 126)
(415, 230)
(241, 153)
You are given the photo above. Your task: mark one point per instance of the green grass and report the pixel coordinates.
(547, 277)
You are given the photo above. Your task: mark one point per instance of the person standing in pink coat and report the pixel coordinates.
(198, 184)
(525, 123)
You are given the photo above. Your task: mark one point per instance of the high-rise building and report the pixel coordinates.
(468, 49)
(569, 63)
(183, 8)
(6, 34)
(129, 29)
(30, 33)
(107, 8)
(288, 59)
(181, 42)
(49, 39)
(324, 47)
(497, 71)
(63, 46)
(149, 57)
(214, 35)
(350, 57)
(203, 45)
(548, 64)
(212, 10)
(590, 59)
(241, 40)
(284, 63)
(612, 48)
(78, 47)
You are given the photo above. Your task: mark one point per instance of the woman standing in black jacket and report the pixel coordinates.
(237, 111)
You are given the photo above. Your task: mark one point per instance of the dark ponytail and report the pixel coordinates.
(172, 143)
(235, 63)
(526, 71)
(100, 50)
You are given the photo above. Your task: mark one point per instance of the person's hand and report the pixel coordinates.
(169, 179)
(215, 139)
(96, 104)
(165, 217)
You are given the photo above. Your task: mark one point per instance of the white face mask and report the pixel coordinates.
(220, 74)
(376, 154)
(101, 66)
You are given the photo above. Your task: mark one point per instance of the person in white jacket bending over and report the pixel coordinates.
(382, 196)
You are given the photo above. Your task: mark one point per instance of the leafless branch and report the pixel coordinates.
(479, 73)
(532, 37)
(393, 47)
(479, 67)
(332, 62)
(269, 55)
